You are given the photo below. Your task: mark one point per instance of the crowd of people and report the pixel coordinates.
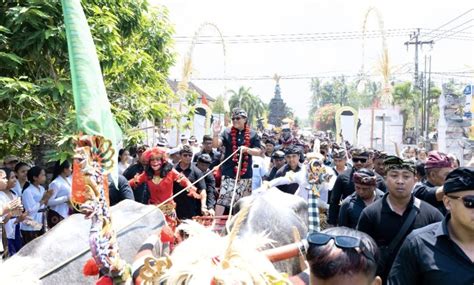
(406, 218)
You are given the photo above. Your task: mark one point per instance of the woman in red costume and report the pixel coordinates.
(159, 176)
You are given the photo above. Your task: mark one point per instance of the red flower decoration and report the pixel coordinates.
(235, 158)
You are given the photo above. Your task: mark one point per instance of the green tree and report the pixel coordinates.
(218, 107)
(133, 42)
(244, 99)
(315, 87)
(408, 100)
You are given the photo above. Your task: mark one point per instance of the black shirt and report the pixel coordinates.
(288, 188)
(427, 192)
(188, 207)
(343, 187)
(429, 256)
(352, 207)
(211, 192)
(124, 191)
(215, 157)
(228, 166)
(139, 191)
(382, 224)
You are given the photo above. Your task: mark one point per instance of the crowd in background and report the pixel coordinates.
(386, 197)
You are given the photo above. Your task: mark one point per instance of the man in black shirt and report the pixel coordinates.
(120, 193)
(366, 193)
(292, 157)
(135, 169)
(207, 148)
(384, 219)
(238, 136)
(442, 253)
(203, 162)
(188, 207)
(278, 160)
(344, 185)
(437, 167)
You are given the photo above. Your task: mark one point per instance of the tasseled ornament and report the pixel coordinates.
(90, 268)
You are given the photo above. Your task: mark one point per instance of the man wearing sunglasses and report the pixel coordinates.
(240, 135)
(344, 185)
(188, 207)
(442, 253)
(278, 161)
(339, 256)
(390, 219)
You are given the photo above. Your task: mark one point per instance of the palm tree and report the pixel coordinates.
(315, 100)
(408, 100)
(244, 99)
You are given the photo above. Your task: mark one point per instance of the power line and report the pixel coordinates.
(456, 32)
(452, 29)
(450, 21)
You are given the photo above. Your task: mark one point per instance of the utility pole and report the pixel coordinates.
(414, 40)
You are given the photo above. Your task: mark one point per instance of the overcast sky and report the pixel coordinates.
(307, 58)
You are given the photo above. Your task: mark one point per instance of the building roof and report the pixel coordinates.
(174, 86)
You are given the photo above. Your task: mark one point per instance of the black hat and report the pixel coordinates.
(239, 112)
(292, 149)
(392, 162)
(360, 152)
(278, 154)
(205, 158)
(460, 179)
(339, 153)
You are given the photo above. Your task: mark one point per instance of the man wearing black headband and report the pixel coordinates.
(390, 219)
(442, 253)
(366, 193)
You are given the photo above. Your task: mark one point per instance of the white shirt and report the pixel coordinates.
(31, 202)
(17, 188)
(304, 187)
(122, 167)
(10, 225)
(258, 171)
(60, 197)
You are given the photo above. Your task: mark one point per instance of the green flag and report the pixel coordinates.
(94, 116)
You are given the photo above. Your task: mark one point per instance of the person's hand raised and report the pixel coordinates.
(217, 127)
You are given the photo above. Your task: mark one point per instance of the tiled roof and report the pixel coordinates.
(174, 86)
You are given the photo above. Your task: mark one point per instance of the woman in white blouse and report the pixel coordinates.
(61, 185)
(34, 200)
(10, 210)
(123, 160)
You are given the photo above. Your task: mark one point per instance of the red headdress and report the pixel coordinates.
(156, 152)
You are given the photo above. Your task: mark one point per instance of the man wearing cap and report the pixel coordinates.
(184, 140)
(344, 185)
(379, 157)
(366, 193)
(193, 144)
(186, 206)
(174, 155)
(443, 252)
(278, 161)
(390, 219)
(437, 167)
(238, 136)
(203, 163)
(340, 161)
(292, 156)
(10, 162)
